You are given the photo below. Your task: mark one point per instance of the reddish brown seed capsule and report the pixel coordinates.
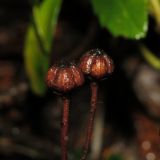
(96, 64)
(64, 79)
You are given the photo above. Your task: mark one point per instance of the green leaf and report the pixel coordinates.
(154, 8)
(150, 57)
(36, 60)
(127, 18)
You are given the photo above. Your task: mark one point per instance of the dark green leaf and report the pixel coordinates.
(126, 18)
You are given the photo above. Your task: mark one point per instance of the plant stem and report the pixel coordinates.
(64, 129)
(93, 103)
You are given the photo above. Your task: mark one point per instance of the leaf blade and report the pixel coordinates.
(126, 18)
(150, 57)
(36, 63)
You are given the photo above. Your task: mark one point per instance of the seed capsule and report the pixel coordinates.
(96, 63)
(64, 79)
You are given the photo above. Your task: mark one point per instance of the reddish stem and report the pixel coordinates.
(93, 103)
(64, 129)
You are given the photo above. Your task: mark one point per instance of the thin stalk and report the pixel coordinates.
(93, 103)
(64, 129)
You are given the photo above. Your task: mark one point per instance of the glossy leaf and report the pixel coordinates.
(127, 18)
(36, 60)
